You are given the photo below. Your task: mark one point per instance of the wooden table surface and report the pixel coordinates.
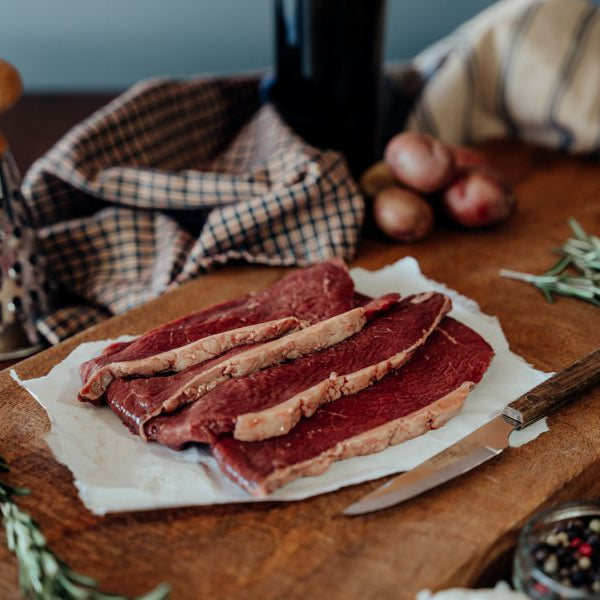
(304, 549)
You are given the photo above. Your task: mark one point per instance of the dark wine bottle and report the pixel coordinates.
(328, 78)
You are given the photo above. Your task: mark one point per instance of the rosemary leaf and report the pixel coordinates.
(15, 491)
(549, 297)
(560, 266)
(576, 274)
(74, 591)
(162, 591)
(576, 245)
(42, 576)
(573, 247)
(528, 278)
(577, 229)
(79, 578)
(571, 290)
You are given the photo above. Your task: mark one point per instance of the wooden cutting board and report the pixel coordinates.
(304, 549)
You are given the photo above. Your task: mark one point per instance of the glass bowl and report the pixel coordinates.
(532, 577)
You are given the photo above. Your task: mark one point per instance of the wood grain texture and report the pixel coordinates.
(304, 549)
(549, 395)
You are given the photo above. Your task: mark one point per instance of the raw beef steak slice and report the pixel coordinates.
(136, 401)
(312, 294)
(181, 358)
(269, 403)
(430, 389)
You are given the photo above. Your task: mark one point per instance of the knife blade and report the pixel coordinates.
(486, 442)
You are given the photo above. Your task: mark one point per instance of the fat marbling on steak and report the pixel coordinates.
(312, 295)
(270, 402)
(430, 389)
(136, 401)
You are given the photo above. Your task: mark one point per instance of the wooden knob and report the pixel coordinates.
(10, 86)
(10, 91)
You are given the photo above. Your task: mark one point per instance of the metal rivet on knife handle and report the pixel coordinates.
(554, 392)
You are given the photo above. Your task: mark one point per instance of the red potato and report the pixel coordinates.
(479, 197)
(402, 214)
(420, 161)
(468, 157)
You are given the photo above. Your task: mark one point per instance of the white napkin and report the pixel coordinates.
(525, 69)
(116, 471)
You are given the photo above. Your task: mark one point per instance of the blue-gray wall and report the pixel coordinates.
(109, 44)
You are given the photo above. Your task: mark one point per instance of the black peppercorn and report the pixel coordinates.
(570, 554)
(578, 578)
(541, 554)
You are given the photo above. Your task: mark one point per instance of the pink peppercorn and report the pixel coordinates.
(586, 550)
(540, 588)
(575, 543)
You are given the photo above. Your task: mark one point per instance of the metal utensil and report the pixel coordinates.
(24, 287)
(486, 442)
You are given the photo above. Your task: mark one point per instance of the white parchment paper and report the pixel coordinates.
(501, 591)
(115, 471)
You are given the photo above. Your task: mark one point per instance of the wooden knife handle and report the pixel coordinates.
(554, 392)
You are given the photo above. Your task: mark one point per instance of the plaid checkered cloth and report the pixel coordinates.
(172, 178)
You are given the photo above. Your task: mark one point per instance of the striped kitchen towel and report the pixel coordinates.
(526, 69)
(172, 178)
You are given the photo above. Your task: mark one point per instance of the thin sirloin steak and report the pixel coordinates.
(310, 292)
(269, 403)
(183, 357)
(136, 401)
(312, 295)
(160, 339)
(424, 394)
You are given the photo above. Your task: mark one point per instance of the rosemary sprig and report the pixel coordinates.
(43, 576)
(577, 272)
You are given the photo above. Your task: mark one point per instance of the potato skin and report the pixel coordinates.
(464, 156)
(402, 214)
(420, 161)
(479, 197)
(376, 178)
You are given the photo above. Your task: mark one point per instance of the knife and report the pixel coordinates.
(486, 442)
